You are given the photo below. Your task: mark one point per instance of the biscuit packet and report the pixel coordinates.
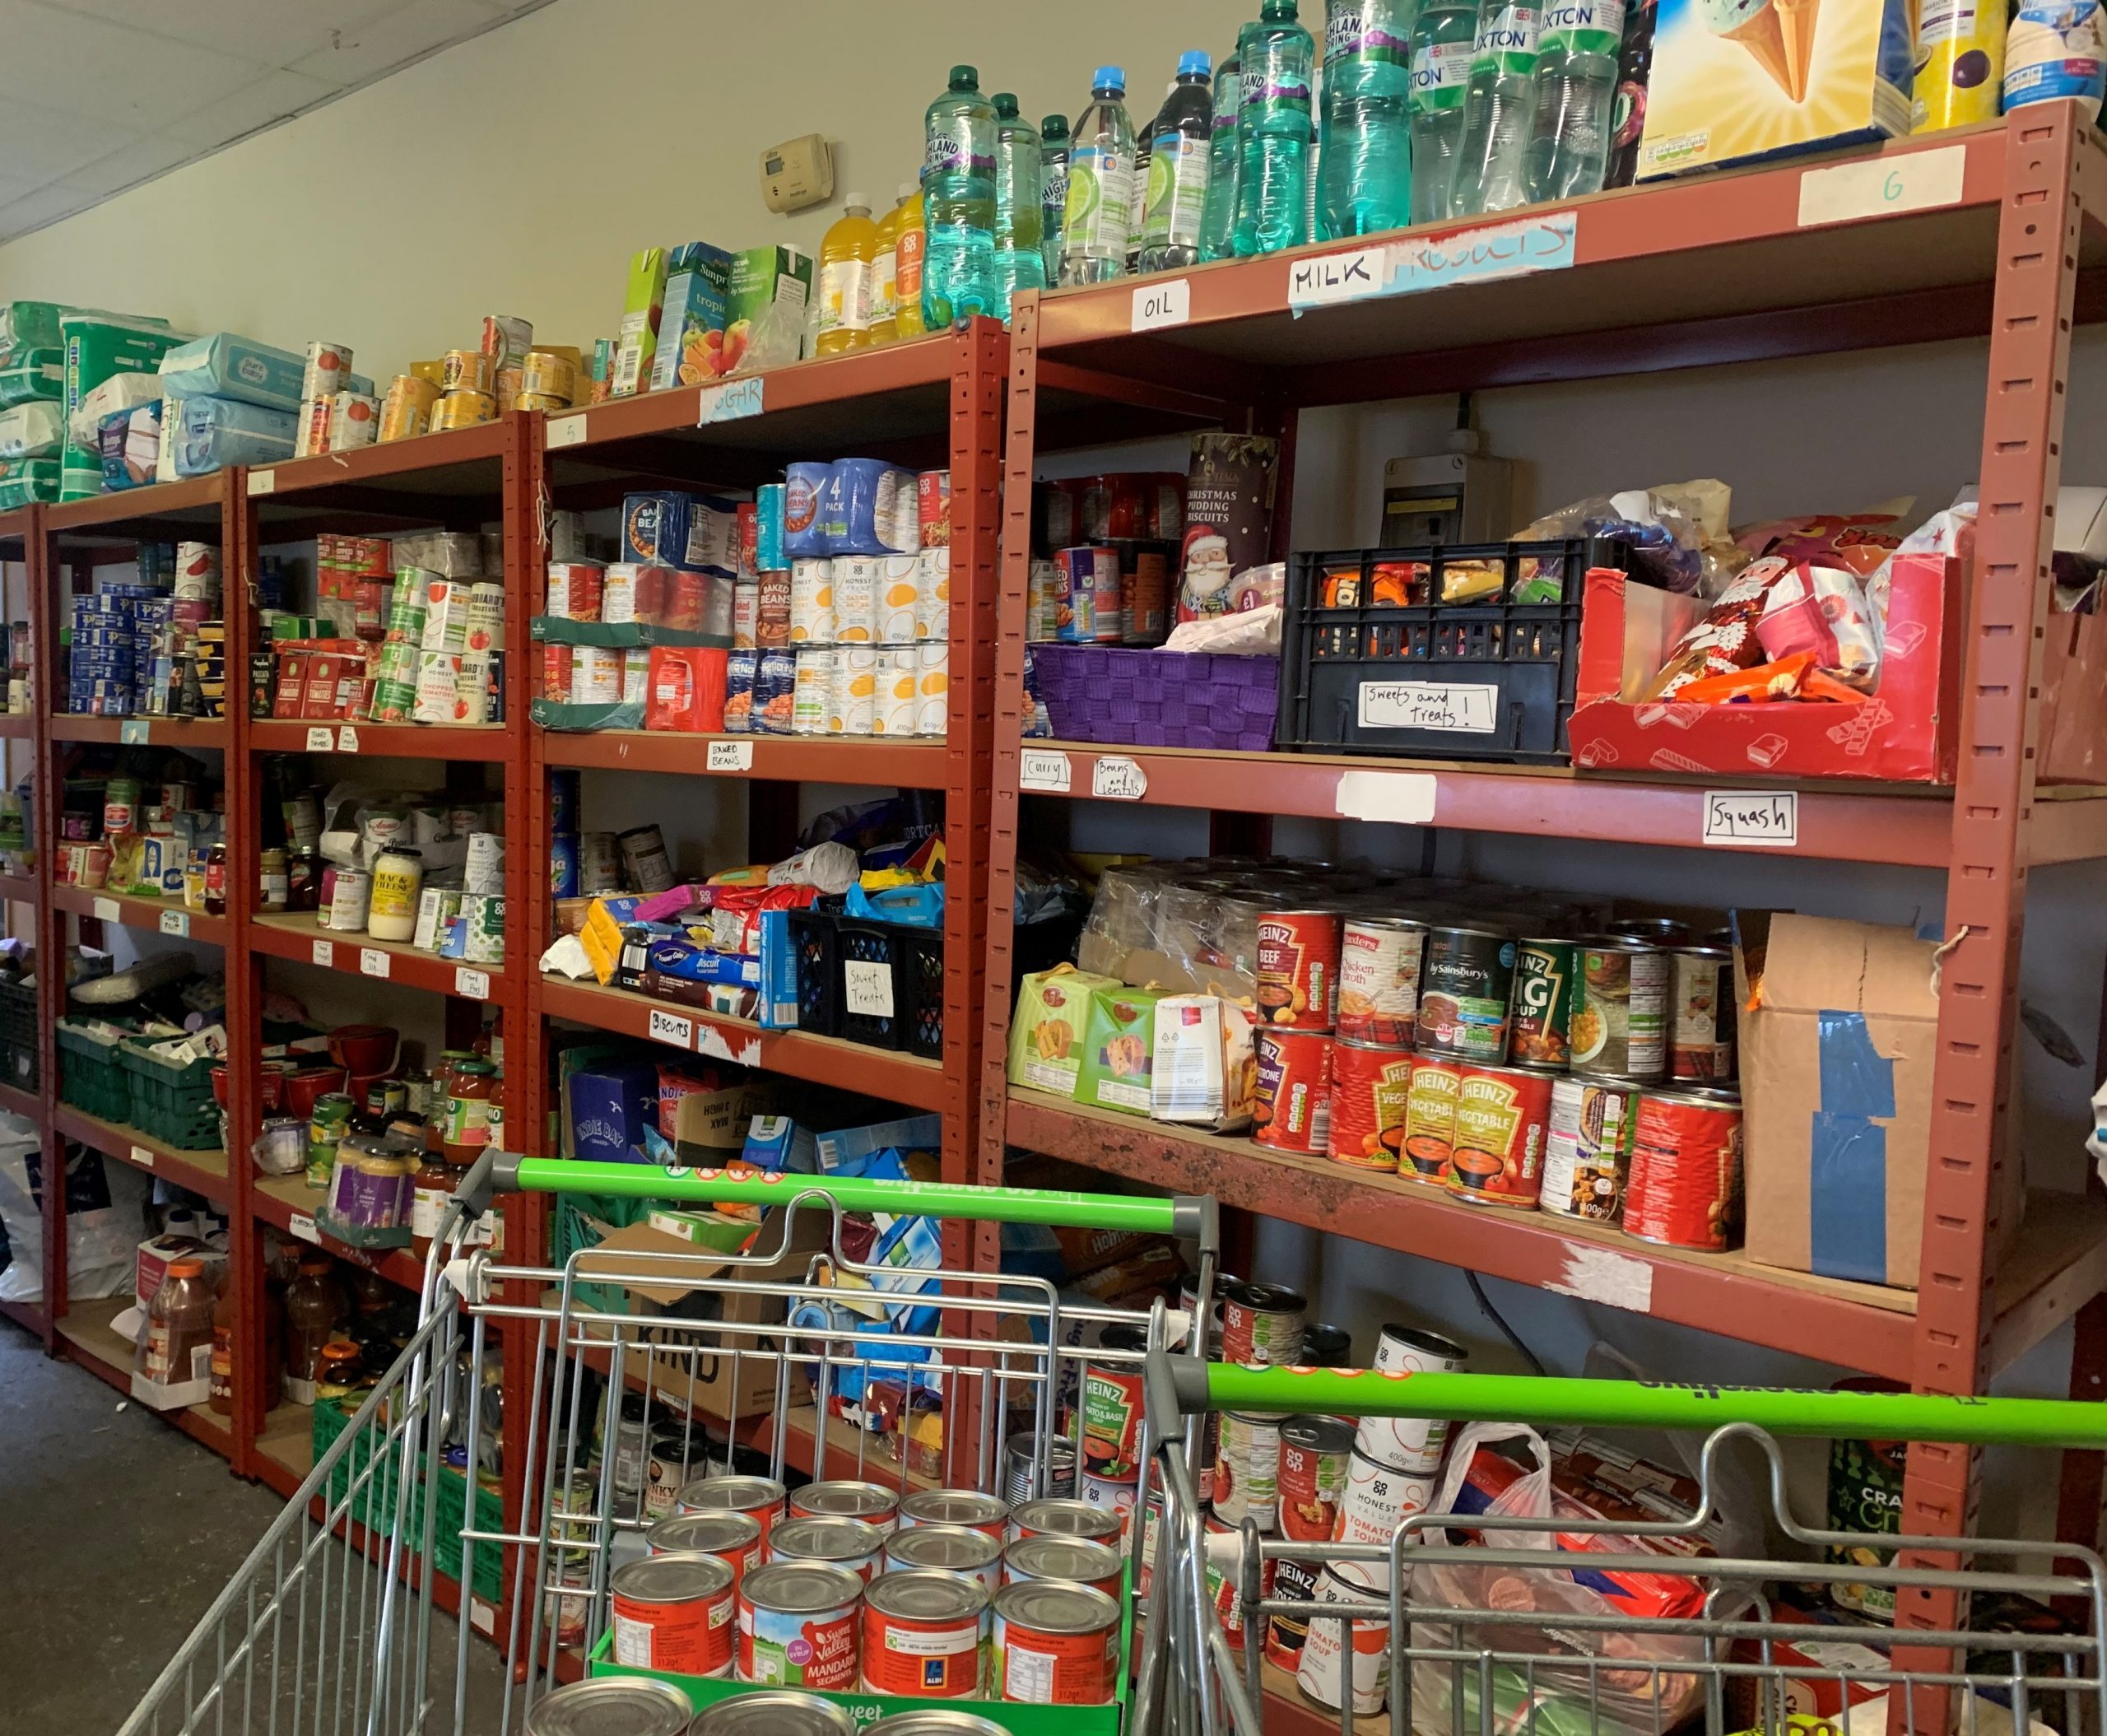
(1046, 1030)
(1118, 1061)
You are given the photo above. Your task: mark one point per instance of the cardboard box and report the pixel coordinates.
(1046, 1033)
(607, 1110)
(710, 1125)
(764, 307)
(691, 321)
(642, 303)
(1734, 79)
(1839, 1031)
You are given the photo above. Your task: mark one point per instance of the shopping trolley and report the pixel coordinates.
(1505, 1632)
(754, 1360)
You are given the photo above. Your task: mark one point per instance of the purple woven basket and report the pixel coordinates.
(1158, 699)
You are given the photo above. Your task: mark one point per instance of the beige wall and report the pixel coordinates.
(517, 173)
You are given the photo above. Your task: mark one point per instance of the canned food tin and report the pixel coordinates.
(1413, 1445)
(950, 1549)
(1379, 960)
(1430, 1119)
(547, 402)
(1298, 975)
(1055, 1644)
(1685, 1186)
(761, 1496)
(462, 410)
(1378, 1498)
(852, 702)
(1112, 1409)
(1261, 1323)
(1587, 1148)
(1657, 931)
(1502, 1113)
(673, 1612)
(350, 898)
(405, 413)
(543, 373)
(1075, 1559)
(1541, 1031)
(842, 1499)
(596, 676)
(565, 1610)
(797, 1625)
(745, 614)
(1465, 988)
(856, 581)
(933, 507)
(898, 705)
(1080, 577)
(923, 1633)
(1620, 1009)
(618, 593)
(813, 697)
(932, 595)
(1056, 1516)
(740, 668)
(466, 371)
(779, 1712)
(1113, 1495)
(898, 588)
(576, 589)
(1371, 1095)
(354, 421)
(933, 685)
(733, 1537)
(775, 682)
(1291, 1105)
(1314, 1458)
(599, 862)
(635, 1705)
(1025, 1459)
(966, 1508)
(852, 1543)
(1702, 1014)
(647, 866)
(1326, 1671)
(811, 603)
(1247, 1470)
(1294, 1581)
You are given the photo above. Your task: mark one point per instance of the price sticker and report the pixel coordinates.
(1159, 304)
(372, 961)
(1883, 186)
(262, 482)
(176, 923)
(1039, 769)
(731, 756)
(1115, 778)
(670, 1027)
(142, 1156)
(564, 430)
(321, 741)
(733, 402)
(347, 740)
(107, 909)
(1759, 816)
(134, 731)
(302, 1226)
(474, 986)
(325, 952)
(866, 988)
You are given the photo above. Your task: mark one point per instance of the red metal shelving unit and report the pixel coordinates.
(21, 533)
(1712, 269)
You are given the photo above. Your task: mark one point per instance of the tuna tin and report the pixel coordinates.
(845, 1500)
(1502, 1113)
(1465, 988)
(1684, 1186)
(1620, 1010)
(673, 1612)
(950, 1549)
(1588, 1150)
(852, 1543)
(1055, 1644)
(1379, 960)
(797, 1625)
(923, 1633)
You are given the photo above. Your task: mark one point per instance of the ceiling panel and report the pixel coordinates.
(127, 166)
(397, 37)
(106, 73)
(275, 32)
(271, 97)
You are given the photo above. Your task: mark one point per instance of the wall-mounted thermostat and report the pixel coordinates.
(797, 176)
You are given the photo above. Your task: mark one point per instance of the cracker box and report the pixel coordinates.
(1738, 79)
(1118, 1061)
(1046, 1031)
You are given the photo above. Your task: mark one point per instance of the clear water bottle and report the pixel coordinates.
(958, 188)
(1576, 97)
(1499, 112)
(1219, 219)
(1366, 164)
(1137, 206)
(1018, 216)
(1100, 185)
(1052, 191)
(1442, 38)
(1179, 164)
(1272, 132)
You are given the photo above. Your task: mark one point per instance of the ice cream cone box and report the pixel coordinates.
(1735, 80)
(1906, 729)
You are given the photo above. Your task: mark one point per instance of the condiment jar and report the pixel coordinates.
(273, 888)
(399, 875)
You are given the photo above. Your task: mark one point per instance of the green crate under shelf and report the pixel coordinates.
(89, 1078)
(374, 1503)
(170, 1100)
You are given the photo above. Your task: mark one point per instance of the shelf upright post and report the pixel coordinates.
(43, 826)
(240, 557)
(2035, 285)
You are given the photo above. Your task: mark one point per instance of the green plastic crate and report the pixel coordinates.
(19, 1027)
(373, 1504)
(171, 1101)
(89, 1078)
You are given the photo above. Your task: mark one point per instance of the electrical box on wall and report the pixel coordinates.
(797, 175)
(1449, 497)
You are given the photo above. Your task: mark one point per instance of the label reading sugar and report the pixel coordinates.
(733, 401)
(1465, 708)
(262, 482)
(321, 741)
(1038, 769)
(107, 909)
(1115, 778)
(302, 1226)
(867, 987)
(731, 756)
(1159, 304)
(175, 921)
(474, 986)
(325, 952)
(564, 430)
(347, 740)
(1745, 816)
(142, 1156)
(670, 1027)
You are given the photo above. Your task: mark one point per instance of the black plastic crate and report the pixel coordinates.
(1466, 652)
(873, 997)
(920, 971)
(819, 969)
(18, 1035)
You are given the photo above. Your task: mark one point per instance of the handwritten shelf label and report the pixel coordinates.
(1883, 186)
(347, 740)
(1396, 797)
(1115, 778)
(564, 430)
(302, 1226)
(1329, 279)
(372, 961)
(325, 952)
(1760, 816)
(866, 988)
(134, 731)
(175, 921)
(733, 402)
(474, 986)
(1458, 707)
(321, 741)
(107, 909)
(142, 1156)
(1483, 255)
(1037, 768)
(730, 756)
(670, 1027)
(1159, 304)
(262, 482)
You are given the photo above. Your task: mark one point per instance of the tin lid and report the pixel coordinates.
(773, 1712)
(740, 1494)
(1066, 1518)
(1660, 930)
(1707, 949)
(825, 1538)
(1621, 943)
(1060, 1453)
(1430, 1342)
(1718, 1095)
(964, 1507)
(1075, 1558)
(1056, 1607)
(847, 1500)
(800, 1588)
(935, 1721)
(712, 1532)
(1267, 1298)
(927, 1594)
(1490, 931)
(1326, 1347)
(1418, 923)
(954, 1548)
(1123, 1337)
(612, 1705)
(672, 1578)
(1317, 1434)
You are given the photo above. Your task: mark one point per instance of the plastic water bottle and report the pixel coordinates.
(1018, 216)
(1499, 112)
(1052, 191)
(1180, 162)
(1138, 203)
(1219, 219)
(958, 189)
(1366, 164)
(1442, 38)
(1272, 132)
(1576, 96)
(1100, 185)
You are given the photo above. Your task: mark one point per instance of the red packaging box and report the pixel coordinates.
(321, 698)
(290, 692)
(685, 690)
(1906, 731)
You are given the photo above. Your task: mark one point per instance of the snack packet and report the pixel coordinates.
(1857, 541)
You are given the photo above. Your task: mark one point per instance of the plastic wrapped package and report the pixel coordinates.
(130, 443)
(230, 366)
(35, 430)
(98, 347)
(119, 392)
(23, 481)
(30, 325)
(1678, 532)
(211, 433)
(451, 554)
(870, 508)
(27, 375)
(1858, 541)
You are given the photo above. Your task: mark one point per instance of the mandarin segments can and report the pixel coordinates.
(923, 1634)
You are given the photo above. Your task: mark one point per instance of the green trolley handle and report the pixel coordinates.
(1191, 1386)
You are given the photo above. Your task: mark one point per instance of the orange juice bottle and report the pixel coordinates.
(885, 281)
(846, 253)
(910, 241)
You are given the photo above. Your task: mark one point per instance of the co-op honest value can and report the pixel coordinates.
(1247, 1469)
(1261, 1323)
(1314, 1453)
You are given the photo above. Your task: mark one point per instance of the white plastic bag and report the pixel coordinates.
(106, 1219)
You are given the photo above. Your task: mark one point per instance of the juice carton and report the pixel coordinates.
(1738, 79)
(766, 307)
(637, 344)
(691, 328)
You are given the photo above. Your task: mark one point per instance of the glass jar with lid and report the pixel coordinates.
(272, 889)
(467, 1128)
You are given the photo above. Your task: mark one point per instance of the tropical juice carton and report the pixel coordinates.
(692, 325)
(764, 310)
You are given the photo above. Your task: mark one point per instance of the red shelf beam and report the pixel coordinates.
(201, 1172)
(299, 940)
(196, 733)
(163, 915)
(919, 764)
(488, 742)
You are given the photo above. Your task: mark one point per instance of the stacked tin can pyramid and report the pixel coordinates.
(155, 648)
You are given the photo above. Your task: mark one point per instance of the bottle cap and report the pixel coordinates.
(1109, 78)
(856, 202)
(907, 189)
(1054, 126)
(1194, 61)
(1006, 104)
(966, 78)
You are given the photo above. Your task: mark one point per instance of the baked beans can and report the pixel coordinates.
(1466, 986)
(1327, 1671)
(1261, 1323)
(1379, 960)
(733, 1537)
(674, 1613)
(1064, 1516)
(933, 507)
(772, 618)
(1055, 1644)
(1430, 1119)
(1314, 1453)
(952, 1549)
(1378, 1498)
(1085, 580)
(775, 685)
(761, 1496)
(1294, 1582)
(1588, 1149)
(1114, 1495)
(1299, 969)
(1371, 1095)
(1074, 1559)
(1684, 1186)
(811, 603)
(1540, 1034)
(1620, 1009)
(1291, 1103)
(1247, 1470)
(924, 1634)
(844, 1499)
(1702, 1014)
(1502, 1116)
(966, 1508)
(1413, 1445)
(1112, 1409)
(797, 1625)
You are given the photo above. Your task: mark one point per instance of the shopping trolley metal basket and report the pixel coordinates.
(759, 1360)
(1545, 1621)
